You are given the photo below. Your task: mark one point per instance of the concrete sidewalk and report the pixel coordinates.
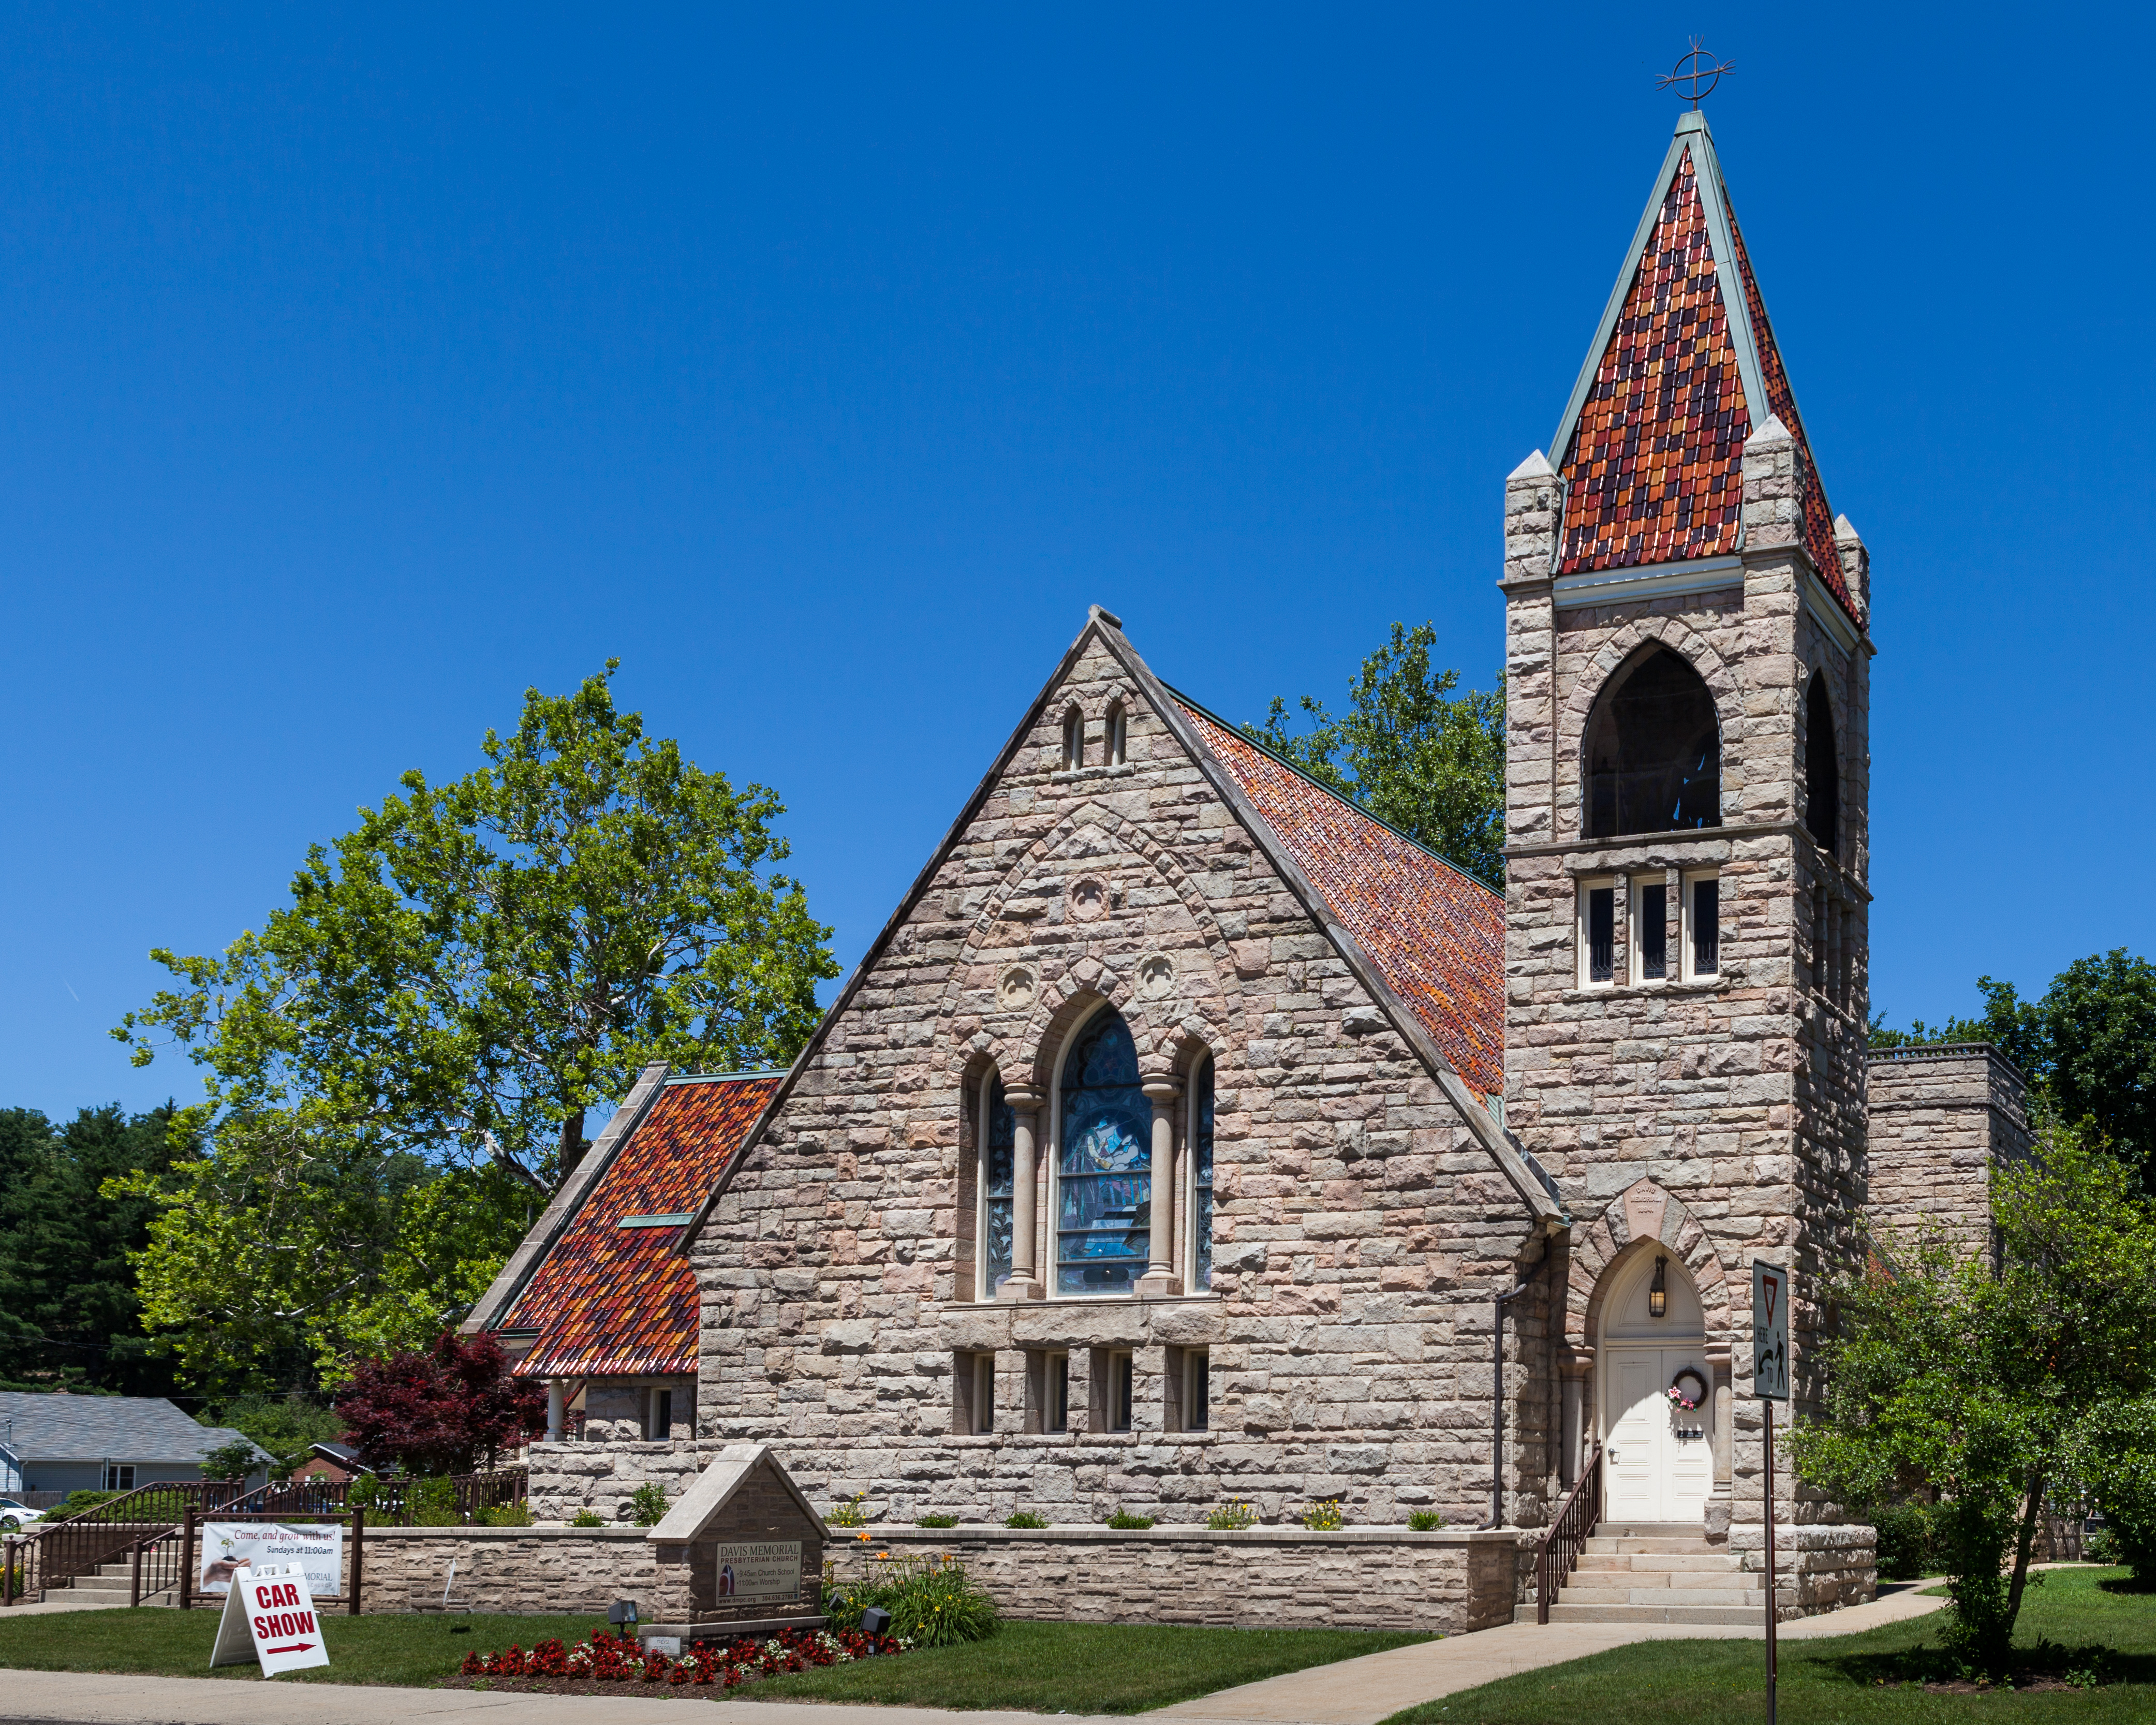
(1355, 1691)
(1361, 1691)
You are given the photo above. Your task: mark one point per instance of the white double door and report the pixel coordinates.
(1659, 1458)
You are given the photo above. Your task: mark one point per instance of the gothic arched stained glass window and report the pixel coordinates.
(1104, 1165)
(998, 1142)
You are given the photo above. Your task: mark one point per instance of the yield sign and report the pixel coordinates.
(1770, 1331)
(271, 1614)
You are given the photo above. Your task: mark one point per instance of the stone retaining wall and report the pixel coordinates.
(1359, 1578)
(510, 1569)
(1453, 1580)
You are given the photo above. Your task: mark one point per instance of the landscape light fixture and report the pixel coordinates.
(876, 1621)
(622, 1611)
(1658, 1291)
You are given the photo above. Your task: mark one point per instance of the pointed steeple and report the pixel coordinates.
(1683, 369)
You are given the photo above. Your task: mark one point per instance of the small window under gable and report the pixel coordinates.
(1118, 734)
(1073, 740)
(1822, 767)
(1653, 751)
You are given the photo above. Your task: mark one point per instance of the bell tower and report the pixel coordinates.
(1687, 804)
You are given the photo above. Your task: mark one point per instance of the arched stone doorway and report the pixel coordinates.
(1658, 1457)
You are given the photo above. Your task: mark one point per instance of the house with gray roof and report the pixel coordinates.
(56, 1442)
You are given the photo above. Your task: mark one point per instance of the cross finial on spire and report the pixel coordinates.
(1695, 75)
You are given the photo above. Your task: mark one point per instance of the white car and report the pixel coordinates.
(15, 1515)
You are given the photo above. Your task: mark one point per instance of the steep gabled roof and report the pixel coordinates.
(1436, 933)
(1180, 720)
(612, 1297)
(1683, 369)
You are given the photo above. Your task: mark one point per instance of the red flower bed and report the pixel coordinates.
(612, 1659)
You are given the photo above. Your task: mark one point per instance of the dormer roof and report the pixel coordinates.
(1684, 368)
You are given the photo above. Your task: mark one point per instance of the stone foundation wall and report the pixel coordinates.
(512, 1569)
(1819, 1566)
(599, 1476)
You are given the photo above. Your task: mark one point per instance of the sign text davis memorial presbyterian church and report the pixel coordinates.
(1187, 1135)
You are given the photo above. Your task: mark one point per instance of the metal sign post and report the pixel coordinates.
(1770, 1382)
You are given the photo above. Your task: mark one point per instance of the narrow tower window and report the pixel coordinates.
(1654, 752)
(1598, 932)
(1704, 926)
(1118, 734)
(1073, 740)
(1201, 1180)
(1651, 943)
(1822, 767)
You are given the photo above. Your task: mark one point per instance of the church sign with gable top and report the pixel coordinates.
(269, 1614)
(742, 1550)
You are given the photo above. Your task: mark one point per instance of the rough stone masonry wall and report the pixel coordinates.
(1693, 1086)
(1360, 1230)
(600, 1475)
(1452, 1581)
(1940, 1118)
(513, 1569)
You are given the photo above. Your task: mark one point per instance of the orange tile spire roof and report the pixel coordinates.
(610, 1300)
(1684, 368)
(1435, 933)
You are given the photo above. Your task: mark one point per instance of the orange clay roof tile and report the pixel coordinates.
(610, 1300)
(1435, 934)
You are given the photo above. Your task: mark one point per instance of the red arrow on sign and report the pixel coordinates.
(295, 1647)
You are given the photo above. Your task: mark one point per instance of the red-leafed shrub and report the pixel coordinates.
(447, 1410)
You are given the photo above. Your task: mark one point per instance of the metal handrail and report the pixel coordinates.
(1558, 1553)
(389, 1501)
(59, 1551)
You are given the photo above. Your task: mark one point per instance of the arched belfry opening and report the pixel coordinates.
(1822, 767)
(1653, 751)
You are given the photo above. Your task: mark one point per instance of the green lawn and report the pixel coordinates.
(1077, 1667)
(1849, 1678)
(388, 1649)
(1047, 1667)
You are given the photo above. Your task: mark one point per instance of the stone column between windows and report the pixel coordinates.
(1024, 1282)
(1160, 1279)
(556, 1410)
(1724, 1401)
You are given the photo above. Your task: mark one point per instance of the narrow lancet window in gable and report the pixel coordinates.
(1201, 1179)
(1118, 734)
(1104, 1164)
(999, 1140)
(1654, 752)
(1822, 767)
(1073, 740)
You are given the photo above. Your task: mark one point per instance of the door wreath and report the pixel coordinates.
(1677, 1391)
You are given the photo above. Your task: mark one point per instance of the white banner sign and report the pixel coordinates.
(269, 1612)
(318, 1548)
(1770, 1331)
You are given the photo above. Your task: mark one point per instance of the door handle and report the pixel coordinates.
(1612, 1453)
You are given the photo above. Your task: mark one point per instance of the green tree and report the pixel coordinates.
(69, 1311)
(478, 963)
(296, 1246)
(1970, 1386)
(1410, 752)
(2088, 1046)
(288, 1426)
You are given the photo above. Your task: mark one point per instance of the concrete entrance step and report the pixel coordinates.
(1690, 1531)
(1735, 1597)
(1652, 1613)
(1657, 1562)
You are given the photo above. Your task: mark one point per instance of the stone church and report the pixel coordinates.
(1188, 1135)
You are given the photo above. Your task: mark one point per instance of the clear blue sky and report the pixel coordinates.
(362, 366)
